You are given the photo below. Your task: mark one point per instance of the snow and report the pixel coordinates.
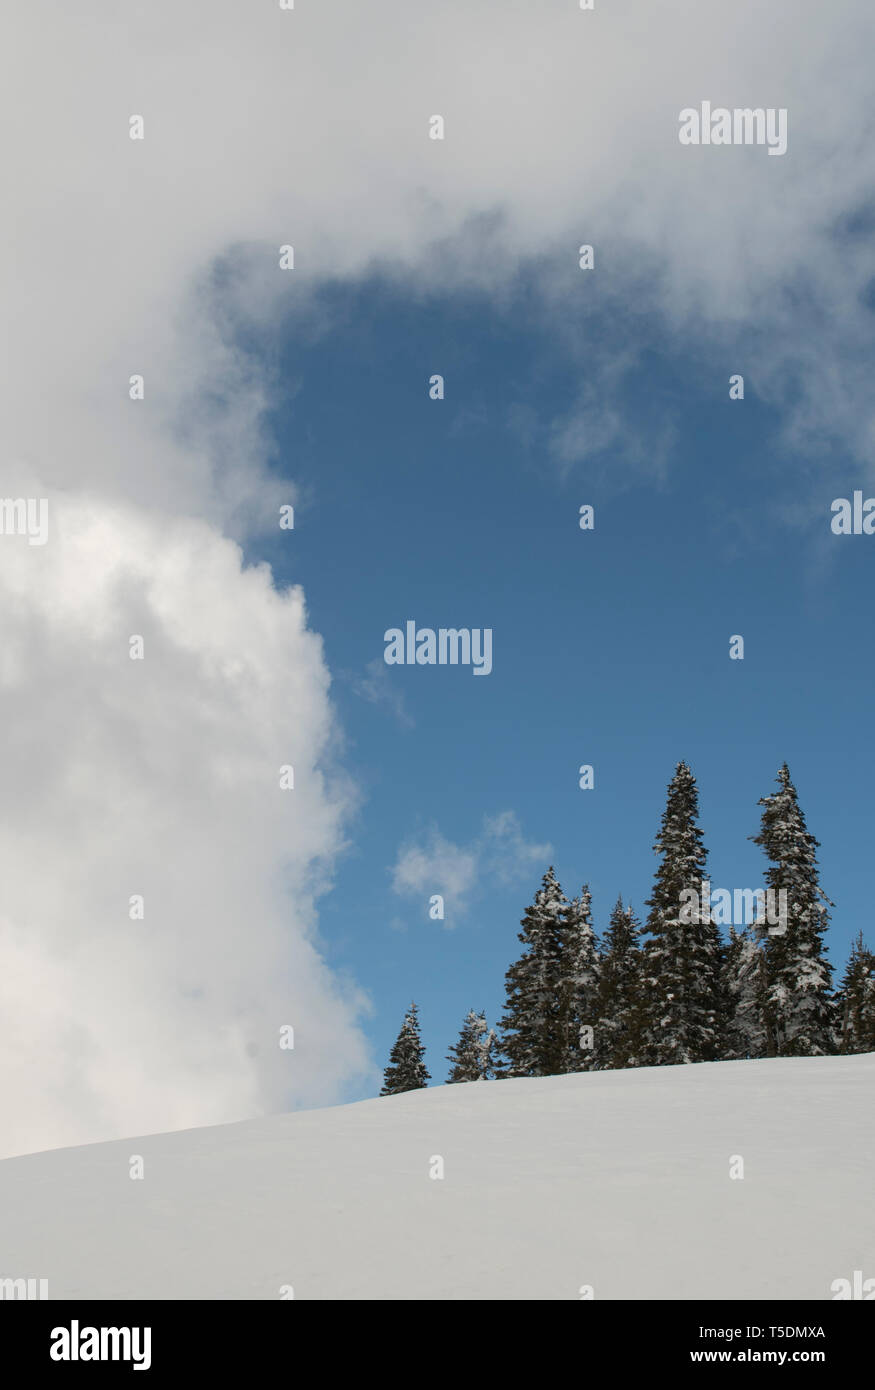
(619, 1180)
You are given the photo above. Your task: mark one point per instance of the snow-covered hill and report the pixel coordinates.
(616, 1180)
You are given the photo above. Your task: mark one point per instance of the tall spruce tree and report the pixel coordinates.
(579, 985)
(406, 1070)
(620, 1028)
(533, 1041)
(745, 988)
(856, 1000)
(683, 956)
(471, 1056)
(799, 1008)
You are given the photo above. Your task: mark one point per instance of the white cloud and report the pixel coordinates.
(160, 777)
(310, 126)
(430, 863)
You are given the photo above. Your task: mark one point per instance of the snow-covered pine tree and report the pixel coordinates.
(532, 1042)
(484, 1049)
(800, 1012)
(683, 957)
(578, 985)
(619, 1032)
(856, 1000)
(745, 986)
(406, 1070)
(471, 1056)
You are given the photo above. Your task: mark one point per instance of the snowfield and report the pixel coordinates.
(616, 1180)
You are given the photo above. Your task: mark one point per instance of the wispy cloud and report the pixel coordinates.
(462, 874)
(378, 688)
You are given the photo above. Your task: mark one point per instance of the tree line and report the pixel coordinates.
(674, 991)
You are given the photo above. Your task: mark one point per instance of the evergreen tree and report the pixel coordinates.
(745, 987)
(579, 984)
(683, 956)
(799, 1009)
(620, 1006)
(406, 1070)
(533, 1042)
(472, 1054)
(856, 1000)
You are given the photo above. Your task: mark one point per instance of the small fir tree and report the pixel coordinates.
(856, 1000)
(799, 1009)
(683, 957)
(745, 986)
(579, 985)
(406, 1070)
(533, 1042)
(620, 1029)
(471, 1056)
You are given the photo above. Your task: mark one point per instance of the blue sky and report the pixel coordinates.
(611, 647)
